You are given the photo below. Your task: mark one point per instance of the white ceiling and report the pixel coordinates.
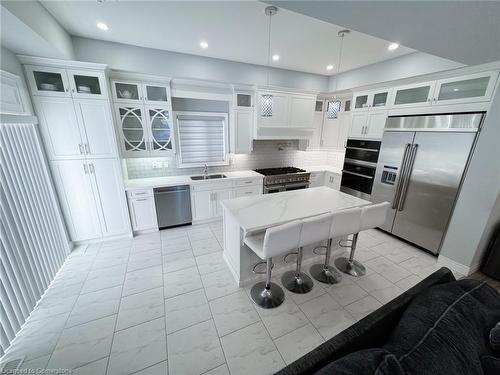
(234, 31)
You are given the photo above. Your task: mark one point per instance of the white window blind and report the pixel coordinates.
(33, 240)
(202, 138)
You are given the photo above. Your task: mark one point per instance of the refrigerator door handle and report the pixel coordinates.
(401, 178)
(408, 172)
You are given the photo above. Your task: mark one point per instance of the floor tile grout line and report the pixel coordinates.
(117, 315)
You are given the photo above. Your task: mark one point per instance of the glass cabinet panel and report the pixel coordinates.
(361, 101)
(412, 95)
(266, 104)
(49, 81)
(87, 84)
(127, 91)
(156, 94)
(469, 88)
(243, 100)
(132, 128)
(380, 99)
(161, 130)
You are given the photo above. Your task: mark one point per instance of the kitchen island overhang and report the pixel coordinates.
(252, 215)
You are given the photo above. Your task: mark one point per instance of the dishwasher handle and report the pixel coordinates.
(170, 189)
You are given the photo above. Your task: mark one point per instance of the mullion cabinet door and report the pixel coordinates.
(156, 94)
(48, 81)
(160, 129)
(87, 84)
(132, 129)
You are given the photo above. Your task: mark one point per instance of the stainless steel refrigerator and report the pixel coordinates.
(420, 168)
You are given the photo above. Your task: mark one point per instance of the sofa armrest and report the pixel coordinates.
(370, 332)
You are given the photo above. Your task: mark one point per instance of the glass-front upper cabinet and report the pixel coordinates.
(470, 88)
(156, 94)
(85, 84)
(361, 101)
(124, 91)
(373, 99)
(133, 133)
(161, 130)
(48, 81)
(413, 95)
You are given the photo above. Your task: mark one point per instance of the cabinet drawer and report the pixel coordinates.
(138, 193)
(247, 191)
(248, 182)
(212, 186)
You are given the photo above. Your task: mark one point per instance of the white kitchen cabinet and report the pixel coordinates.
(60, 129)
(76, 197)
(217, 197)
(465, 89)
(48, 81)
(247, 191)
(152, 93)
(76, 128)
(301, 111)
(374, 99)
(91, 196)
(243, 131)
(144, 130)
(332, 180)
(96, 124)
(107, 183)
(142, 210)
(13, 98)
(368, 124)
(315, 140)
(414, 95)
(335, 130)
(201, 204)
(87, 84)
(317, 179)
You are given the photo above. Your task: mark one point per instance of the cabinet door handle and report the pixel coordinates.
(85, 168)
(73, 90)
(67, 90)
(87, 148)
(141, 199)
(92, 170)
(80, 147)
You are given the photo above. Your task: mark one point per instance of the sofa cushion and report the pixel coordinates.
(495, 337)
(445, 330)
(369, 362)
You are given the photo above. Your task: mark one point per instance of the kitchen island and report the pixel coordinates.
(251, 215)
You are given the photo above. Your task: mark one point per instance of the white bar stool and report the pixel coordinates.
(343, 223)
(371, 217)
(276, 241)
(314, 229)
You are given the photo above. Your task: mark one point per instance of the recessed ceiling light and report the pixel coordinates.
(456, 89)
(393, 46)
(102, 26)
(203, 44)
(329, 67)
(276, 57)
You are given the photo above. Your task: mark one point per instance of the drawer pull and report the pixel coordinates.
(141, 199)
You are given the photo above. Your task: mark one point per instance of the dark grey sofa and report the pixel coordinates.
(404, 337)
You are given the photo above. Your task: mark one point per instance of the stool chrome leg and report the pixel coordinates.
(267, 294)
(297, 281)
(325, 273)
(349, 265)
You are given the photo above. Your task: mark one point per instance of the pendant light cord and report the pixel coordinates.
(269, 49)
(341, 34)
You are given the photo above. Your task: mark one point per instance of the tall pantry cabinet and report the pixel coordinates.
(71, 100)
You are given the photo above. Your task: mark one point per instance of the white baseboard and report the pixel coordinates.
(457, 267)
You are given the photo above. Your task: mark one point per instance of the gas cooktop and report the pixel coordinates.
(279, 171)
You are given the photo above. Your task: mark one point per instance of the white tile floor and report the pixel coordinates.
(166, 302)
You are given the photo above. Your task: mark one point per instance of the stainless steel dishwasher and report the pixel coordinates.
(173, 206)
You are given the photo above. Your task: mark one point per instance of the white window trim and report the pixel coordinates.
(180, 164)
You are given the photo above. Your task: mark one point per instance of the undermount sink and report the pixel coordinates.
(208, 177)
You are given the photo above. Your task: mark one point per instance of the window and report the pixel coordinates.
(202, 138)
(333, 109)
(267, 105)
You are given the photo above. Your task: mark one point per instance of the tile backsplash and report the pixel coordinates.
(265, 154)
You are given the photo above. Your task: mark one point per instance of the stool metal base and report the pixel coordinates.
(326, 275)
(267, 298)
(300, 285)
(353, 268)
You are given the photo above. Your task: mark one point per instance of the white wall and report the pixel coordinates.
(491, 225)
(10, 63)
(179, 65)
(464, 241)
(37, 24)
(411, 65)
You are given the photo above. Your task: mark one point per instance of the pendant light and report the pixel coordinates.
(341, 34)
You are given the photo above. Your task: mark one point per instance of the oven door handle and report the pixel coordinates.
(298, 184)
(362, 149)
(357, 174)
(267, 189)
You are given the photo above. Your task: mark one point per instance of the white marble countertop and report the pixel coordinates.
(264, 211)
(153, 182)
